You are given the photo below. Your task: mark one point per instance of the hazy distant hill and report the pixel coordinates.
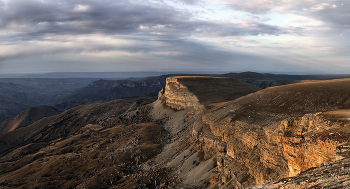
(17, 94)
(103, 90)
(26, 118)
(9, 109)
(50, 86)
(15, 97)
(84, 75)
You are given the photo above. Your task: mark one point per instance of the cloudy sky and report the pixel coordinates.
(276, 36)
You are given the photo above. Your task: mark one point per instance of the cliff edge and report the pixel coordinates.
(259, 137)
(201, 92)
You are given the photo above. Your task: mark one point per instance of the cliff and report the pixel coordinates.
(264, 136)
(178, 96)
(280, 131)
(202, 92)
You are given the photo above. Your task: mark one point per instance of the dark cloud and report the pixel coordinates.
(152, 29)
(32, 18)
(335, 15)
(189, 2)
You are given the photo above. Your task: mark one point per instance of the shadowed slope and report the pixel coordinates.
(64, 124)
(91, 146)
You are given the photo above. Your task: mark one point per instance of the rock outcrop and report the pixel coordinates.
(178, 96)
(181, 105)
(268, 135)
(201, 92)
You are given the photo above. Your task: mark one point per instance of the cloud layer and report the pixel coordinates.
(236, 35)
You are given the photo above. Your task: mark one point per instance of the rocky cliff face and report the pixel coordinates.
(271, 134)
(202, 92)
(178, 96)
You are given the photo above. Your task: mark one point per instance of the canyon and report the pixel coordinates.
(201, 132)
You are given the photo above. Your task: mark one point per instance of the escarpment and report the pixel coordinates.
(183, 102)
(200, 92)
(177, 96)
(267, 135)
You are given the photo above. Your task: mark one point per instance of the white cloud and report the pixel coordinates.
(303, 21)
(184, 32)
(319, 7)
(81, 8)
(254, 6)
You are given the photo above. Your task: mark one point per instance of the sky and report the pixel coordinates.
(266, 36)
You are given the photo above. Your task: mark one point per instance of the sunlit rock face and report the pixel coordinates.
(265, 136)
(277, 132)
(178, 96)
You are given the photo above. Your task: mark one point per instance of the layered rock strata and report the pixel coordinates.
(178, 96)
(268, 135)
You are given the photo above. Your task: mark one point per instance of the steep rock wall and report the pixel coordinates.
(271, 134)
(177, 96)
(278, 132)
(249, 154)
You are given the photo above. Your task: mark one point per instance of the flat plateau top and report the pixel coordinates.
(211, 90)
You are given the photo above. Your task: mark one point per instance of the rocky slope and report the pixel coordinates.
(262, 137)
(99, 145)
(184, 101)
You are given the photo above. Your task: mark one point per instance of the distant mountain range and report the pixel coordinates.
(17, 94)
